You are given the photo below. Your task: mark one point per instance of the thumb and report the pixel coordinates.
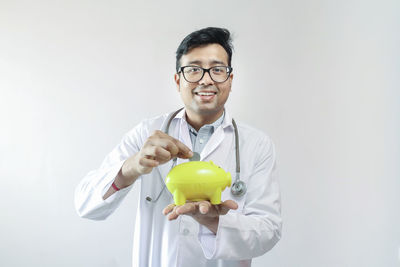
(227, 205)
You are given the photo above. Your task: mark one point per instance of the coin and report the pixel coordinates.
(195, 157)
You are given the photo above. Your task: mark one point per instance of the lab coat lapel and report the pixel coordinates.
(183, 135)
(180, 132)
(215, 140)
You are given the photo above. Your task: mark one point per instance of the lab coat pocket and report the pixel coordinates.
(153, 186)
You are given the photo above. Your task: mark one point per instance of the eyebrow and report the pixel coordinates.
(213, 62)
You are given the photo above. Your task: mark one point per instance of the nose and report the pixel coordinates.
(206, 80)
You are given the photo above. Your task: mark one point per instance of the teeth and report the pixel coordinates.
(205, 93)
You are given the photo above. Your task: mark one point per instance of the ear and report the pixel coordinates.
(230, 80)
(177, 79)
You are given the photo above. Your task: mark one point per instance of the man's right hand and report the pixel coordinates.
(158, 149)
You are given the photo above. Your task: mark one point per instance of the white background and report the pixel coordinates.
(320, 77)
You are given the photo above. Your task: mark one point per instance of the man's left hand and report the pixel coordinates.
(203, 212)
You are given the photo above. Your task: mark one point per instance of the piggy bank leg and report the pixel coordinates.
(179, 198)
(216, 197)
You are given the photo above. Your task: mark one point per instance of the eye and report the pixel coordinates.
(192, 70)
(219, 70)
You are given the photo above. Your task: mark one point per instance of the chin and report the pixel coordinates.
(206, 110)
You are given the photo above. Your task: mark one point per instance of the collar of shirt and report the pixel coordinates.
(200, 138)
(207, 127)
(226, 118)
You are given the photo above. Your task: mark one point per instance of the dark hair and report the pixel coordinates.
(210, 35)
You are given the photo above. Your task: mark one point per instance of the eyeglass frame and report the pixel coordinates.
(229, 68)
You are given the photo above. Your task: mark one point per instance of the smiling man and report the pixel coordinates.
(204, 83)
(246, 224)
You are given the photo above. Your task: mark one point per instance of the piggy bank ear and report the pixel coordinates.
(213, 164)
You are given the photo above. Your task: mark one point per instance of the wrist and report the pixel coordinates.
(211, 223)
(126, 176)
(131, 167)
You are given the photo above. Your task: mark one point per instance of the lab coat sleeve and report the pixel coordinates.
(257, 228)
(89, 193)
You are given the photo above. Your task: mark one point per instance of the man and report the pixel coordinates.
(196, 233)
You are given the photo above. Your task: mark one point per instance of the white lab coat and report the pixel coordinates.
(245, 233)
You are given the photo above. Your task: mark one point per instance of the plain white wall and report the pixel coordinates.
(320, 77)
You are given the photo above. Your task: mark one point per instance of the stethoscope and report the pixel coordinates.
(238, 188)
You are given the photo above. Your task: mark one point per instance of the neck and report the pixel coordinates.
(198, 120)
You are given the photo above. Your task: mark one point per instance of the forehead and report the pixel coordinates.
(211, 54)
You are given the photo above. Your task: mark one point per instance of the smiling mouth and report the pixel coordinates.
(205, 93)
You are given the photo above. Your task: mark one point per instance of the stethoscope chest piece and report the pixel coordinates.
(238, 189)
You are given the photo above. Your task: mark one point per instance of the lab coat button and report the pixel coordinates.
(185, 231)
(201, 141)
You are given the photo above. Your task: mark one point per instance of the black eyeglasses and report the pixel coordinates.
(194, 74)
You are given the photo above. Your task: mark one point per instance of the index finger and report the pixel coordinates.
(168, 209)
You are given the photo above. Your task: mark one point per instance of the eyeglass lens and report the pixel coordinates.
(195, 74)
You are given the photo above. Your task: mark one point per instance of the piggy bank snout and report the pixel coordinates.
(229, 176)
